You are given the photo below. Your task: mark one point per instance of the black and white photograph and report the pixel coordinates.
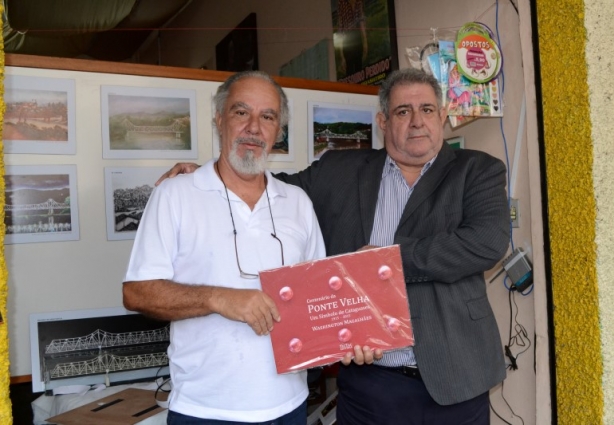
(83, 346)
(148, 123)
(127, 190)
(338, 127)
(41, 204)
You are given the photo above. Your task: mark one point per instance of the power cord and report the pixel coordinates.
(508, 405)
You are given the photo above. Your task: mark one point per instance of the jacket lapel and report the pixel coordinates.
(429, 181)
(369, 180)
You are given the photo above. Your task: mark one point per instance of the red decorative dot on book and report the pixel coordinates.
(335, 283)
(345, 335)
(286, 293)
(296, 345)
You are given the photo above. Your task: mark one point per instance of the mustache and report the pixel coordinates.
(251, 141)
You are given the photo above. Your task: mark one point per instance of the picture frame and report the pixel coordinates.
(148, 123)
(365, 40)
(39, 116)
(127, 190)
(41, 204)
(338, 126)
(457, 142)
(91, 339)
(282, 151)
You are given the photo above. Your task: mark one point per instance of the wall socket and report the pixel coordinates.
(514, 212)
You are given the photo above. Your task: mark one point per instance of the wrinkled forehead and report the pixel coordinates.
(414, 94)
(254, 90)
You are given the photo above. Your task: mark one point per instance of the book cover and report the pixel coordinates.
(327, 306)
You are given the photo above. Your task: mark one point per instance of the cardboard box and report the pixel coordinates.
(327, 306)
(126, 407)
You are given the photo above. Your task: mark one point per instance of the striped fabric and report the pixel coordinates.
(394, 192)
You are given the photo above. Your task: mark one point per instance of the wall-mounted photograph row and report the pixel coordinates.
(155, 123)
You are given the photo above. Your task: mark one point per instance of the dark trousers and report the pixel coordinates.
(297, 417)
(372, 395)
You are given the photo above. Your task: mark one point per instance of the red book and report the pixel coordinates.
(327, 306)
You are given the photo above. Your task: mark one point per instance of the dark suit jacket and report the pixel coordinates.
(454, 227)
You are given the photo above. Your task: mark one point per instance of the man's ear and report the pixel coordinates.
(443, 114)
(218, 123)
(381, 121)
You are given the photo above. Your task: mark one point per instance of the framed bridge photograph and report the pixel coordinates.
(337, 127)
(41, 204)
(39, 116)
(148, 123)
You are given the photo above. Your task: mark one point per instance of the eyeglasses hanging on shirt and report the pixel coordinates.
(243, 274)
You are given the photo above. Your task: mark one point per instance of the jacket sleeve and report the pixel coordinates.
(475, 230)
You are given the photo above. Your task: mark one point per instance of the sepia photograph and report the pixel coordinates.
(127, 190)
(338, 127)
(39, 116)
(148, 123)
(41, 204)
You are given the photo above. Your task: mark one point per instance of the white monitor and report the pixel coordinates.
(97, 346)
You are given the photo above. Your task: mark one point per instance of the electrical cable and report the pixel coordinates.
(519, 338)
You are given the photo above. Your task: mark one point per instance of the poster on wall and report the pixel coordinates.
(39, 116)
(41, 204)
(148, 123)
(365, 40)
(238, 51)
(338, 127)
(127, 190)
(283, 149)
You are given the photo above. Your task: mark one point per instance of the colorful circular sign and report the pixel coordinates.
(478, 56)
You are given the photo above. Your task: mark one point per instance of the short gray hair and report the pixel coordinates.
(407, 76)
(221, 96)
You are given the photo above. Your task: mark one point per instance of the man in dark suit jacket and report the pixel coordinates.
(448, 211)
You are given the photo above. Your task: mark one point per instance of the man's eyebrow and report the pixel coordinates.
(243, 105)
(271, 112)
(410, 106)
(240, 105)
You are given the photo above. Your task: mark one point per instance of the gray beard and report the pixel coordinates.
(249, 164)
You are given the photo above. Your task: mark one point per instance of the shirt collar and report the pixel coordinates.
(205, 178)
(391, 166)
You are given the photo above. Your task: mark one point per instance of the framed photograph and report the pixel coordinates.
(336, 127)
(365, 40)
(39, 116)
(282, 151)
(148, 123)
(127, 190)
(41, 203)
(88, 347)
(456, 142)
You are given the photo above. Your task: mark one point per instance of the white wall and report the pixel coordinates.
(47, 277)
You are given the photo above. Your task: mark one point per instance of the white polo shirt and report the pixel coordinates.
(220, 368)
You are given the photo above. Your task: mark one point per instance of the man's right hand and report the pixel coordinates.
(250, 306)
(179, 168)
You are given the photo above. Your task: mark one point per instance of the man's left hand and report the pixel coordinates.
(362, 355)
